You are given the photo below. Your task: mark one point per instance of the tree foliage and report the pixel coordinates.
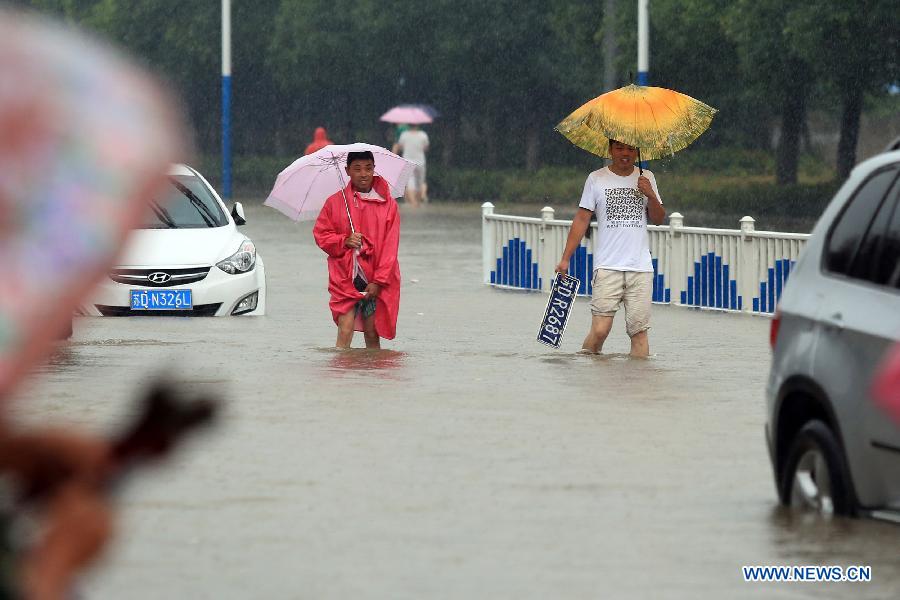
(502, 73)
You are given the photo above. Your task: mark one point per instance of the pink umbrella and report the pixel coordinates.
(301, 189)
(408, 114)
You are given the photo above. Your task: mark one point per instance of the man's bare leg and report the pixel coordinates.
(345, 329)
(412, 197)
(373, 342)
(600, 328)
(640, 345)
(425, 193)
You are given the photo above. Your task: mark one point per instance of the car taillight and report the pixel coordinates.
(773, 331)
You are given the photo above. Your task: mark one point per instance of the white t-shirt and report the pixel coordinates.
(622, 242)
(414, 142)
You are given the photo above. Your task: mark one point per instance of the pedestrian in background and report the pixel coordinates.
(320, 140)
(623, 198)
(412, 145)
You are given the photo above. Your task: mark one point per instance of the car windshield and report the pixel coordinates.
(184, 204)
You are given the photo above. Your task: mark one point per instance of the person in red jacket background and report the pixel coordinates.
(320, 140)
(363, 271)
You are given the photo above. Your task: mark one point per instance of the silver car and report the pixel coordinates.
(833, 450)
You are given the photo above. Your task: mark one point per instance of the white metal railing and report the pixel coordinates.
(724, 269)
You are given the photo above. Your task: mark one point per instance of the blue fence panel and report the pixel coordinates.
(718, 260)
(779, 275)
(516, 266)
(704, 270)
(710, 286)
(590, 274)
(770, 290)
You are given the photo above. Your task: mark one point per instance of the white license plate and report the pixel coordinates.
(161, 300)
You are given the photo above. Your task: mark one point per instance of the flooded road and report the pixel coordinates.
(463, 461)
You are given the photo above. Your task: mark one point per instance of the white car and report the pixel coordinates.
(187, 259)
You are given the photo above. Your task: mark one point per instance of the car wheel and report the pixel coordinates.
(815, 475)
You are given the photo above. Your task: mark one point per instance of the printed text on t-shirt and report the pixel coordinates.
(624, 208)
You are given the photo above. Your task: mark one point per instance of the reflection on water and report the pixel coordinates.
(121, 342)
(354, 361)
(364, 359)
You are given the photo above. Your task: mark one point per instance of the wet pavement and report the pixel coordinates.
(463, 461)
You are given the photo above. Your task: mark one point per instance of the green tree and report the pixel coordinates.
(692, 53)
(178, 41)
(779, 72)
(855, 47)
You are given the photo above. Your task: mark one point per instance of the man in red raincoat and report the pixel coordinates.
(367, 255)
(320, 140)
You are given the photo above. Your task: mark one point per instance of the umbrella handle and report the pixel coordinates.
(343, 192)
(640, 168)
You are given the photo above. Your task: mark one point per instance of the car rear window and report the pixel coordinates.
(878, 255)
(888, 270)
(855, 221)
(186, 203)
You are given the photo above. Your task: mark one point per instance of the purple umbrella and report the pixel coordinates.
(407, 113)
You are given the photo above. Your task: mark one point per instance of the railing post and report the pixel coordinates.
(748, 284)
(748, 225)
(676, 256)
(545, 255)
(488, 242)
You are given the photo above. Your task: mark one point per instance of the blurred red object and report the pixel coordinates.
(886, 386)
(85, 138)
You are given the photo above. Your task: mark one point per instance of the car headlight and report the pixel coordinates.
(241, 261)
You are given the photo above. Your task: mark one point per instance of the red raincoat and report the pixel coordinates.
(379, 223)
(320, 140)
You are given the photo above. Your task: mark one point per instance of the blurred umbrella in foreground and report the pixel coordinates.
(657, 121)
(410, 114)
(85, 139)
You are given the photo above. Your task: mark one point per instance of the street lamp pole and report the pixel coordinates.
(643, 76)
(226, 98)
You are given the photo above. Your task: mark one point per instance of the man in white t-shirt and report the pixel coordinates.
(623, 198)
(413, 144)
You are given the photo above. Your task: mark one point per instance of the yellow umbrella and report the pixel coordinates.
(657, 121)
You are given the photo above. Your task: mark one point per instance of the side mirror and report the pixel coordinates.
(237, 213)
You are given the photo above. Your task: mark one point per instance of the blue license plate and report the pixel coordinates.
(161, 300)
(559, 306)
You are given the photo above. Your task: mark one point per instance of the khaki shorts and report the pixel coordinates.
(631, 288)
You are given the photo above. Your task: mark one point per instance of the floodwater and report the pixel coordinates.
(465, 460)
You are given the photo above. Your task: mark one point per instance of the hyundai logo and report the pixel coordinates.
(159, 277)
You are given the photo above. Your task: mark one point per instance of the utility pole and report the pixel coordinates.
(226, 98)
(610, 49)
(643, 75)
